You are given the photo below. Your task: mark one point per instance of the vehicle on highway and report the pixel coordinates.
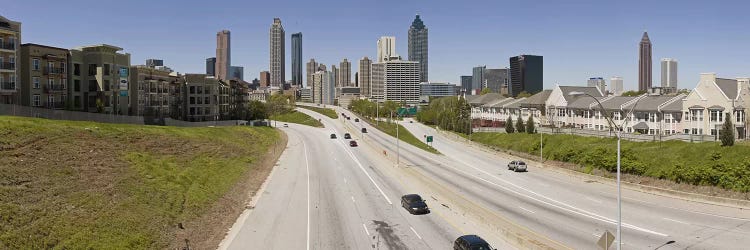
(364, 130)
(517, 166)
(347, 136)
(286, 125)
(414, 204)
(471, 242)
(356, 119)
(333, 136)
(411, 121)
(348, 118)
(352, 143)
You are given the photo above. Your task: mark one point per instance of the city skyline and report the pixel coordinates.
(569, 60)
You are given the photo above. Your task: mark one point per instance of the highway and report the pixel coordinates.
(327, 195)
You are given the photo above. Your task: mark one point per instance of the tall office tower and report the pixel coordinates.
(386, 48)
(265, 79)
(312, 67)
(237, 72)
(526, 74)
(297, 58)
(644, 63)
(396, 81)
(356, 79)
(615, 85)
(277, 60)
(418, 46)
(321, 67)
(317, 86)
(598, 82)
(466, 84)
(223, 54)
(335, 72)
(477, 79)
(495, 79)
(669, 73)
(211, 66)
(345, 74)
(365, 77)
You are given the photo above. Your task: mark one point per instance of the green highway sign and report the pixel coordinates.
(429, 138)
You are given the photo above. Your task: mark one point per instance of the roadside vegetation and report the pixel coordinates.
(281, 108)
(297, 117)
(367, 109)
(85, 185)
(325, 111)
(448, 113)
(707, 163)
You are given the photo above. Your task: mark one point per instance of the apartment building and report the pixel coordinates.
(10, 50)
(99, 79)
(44, 76)
(712, 101)
(201, 97)
(154, 92)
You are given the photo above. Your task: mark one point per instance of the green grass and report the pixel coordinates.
(705, 163)
(297, 117)
(404, 135)
(325, 111)
(85, 185)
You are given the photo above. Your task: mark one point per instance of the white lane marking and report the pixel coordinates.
(525, 209)
(345, 181)
(366, 231)
(415, 232)
(596, 235)
(353, 199)
(570, 210)
(307, 164)
(364, 171)
(592, 199)
(681, 222)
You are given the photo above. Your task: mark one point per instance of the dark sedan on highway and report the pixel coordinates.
(414, 204)
(352, 143)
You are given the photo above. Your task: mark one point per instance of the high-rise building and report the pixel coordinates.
(386, 48)
(317, 87)
(322, 67)
(615, 85)
(644, 64)
(312, 67)
(211, 66)
(297, 58)
(434, 89)
(277, 53)
(466, 84)
(418, 46)
(324, 89)
(669, 73)
(396, 81)
(365, 77)
(265, 79)
(335, 72)
(237, 72)
(356, 79)
(477, 79)
(223, 54)
(345, 74)
(598, 82)
(495, 79)
(526, 74)
(10, 49)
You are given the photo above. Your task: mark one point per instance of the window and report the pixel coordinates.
(200, 90)
(50, 83)
(36, 82)
(208, 100)
(76, 85)
(192, 100)
(50, 101)
(62, 67)
(37, 101)
(50, 67)
(713, 131)
(76, 69)
(192, 89)
(12, 61)
(106, 85)
(92, 69)
(739, 116)
(13, 78)
(35, 64)
(93, 86)
(12, 42)
(76, 101)
(105, 70)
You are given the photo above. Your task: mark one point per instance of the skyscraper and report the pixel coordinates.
(396, 80)
(477, 79)
(236, 72)
(297, 58)
(344, 74)
(466, 84)
(418, 46)
(615, 85)
(277, 60)
(669, 73)
(211, 66)
(365, 76)
(598, 82)
(526, 74)
(495, 79)
(386, 48)
(223, 54)
(312, 67)
(335, 72)
(644, 64)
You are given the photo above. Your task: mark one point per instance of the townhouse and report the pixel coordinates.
(712, 101)
(10, 50)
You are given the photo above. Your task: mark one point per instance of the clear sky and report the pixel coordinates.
(578, 39)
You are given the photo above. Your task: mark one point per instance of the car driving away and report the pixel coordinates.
(414, 204)
(352, 143)
(347, 136)
(471, 242)
(364, 130)
(517, 166)
(356, 119)
(333, 136)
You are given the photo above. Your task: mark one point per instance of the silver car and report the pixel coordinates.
(517, 166)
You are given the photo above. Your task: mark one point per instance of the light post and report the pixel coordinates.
(619, 138)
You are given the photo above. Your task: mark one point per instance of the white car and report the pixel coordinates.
(517, 166)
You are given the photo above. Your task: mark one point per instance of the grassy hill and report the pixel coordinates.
(84, 185)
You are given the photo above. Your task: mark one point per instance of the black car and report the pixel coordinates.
(414, 204)
(333, 136)
(347, 136)
(352, 143)
(471, 242)
(356, 119)
(364, 130)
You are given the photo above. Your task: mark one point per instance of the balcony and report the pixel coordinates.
(8, 46)
(8, 87)
(53, 70)
(54, 87)
(7, 66)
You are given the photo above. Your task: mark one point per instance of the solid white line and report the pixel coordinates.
(592, 199)
(415, 232)
(364, 171)
(307, 163)
(526, 209)
(345, 181)
(353, 199)
(366, 231)
(681, 222)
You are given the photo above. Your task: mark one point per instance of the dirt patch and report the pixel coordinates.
(209, 229)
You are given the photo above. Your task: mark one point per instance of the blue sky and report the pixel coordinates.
(578, 39)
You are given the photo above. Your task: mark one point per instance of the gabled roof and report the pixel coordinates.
(640, 126)
(537, 99)
(497, 103)
(650, 103)
(616, 102)
(486, 98)
(728, 86)
(675, 106)
(515, 104)
(588, 90)
(582, 103)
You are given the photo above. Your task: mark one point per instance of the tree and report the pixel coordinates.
(99, 105)
(530, 125)
(519, 125)
(523, 94)
(726, 134)
(256, 110)
(509, 126)
(485, 91)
